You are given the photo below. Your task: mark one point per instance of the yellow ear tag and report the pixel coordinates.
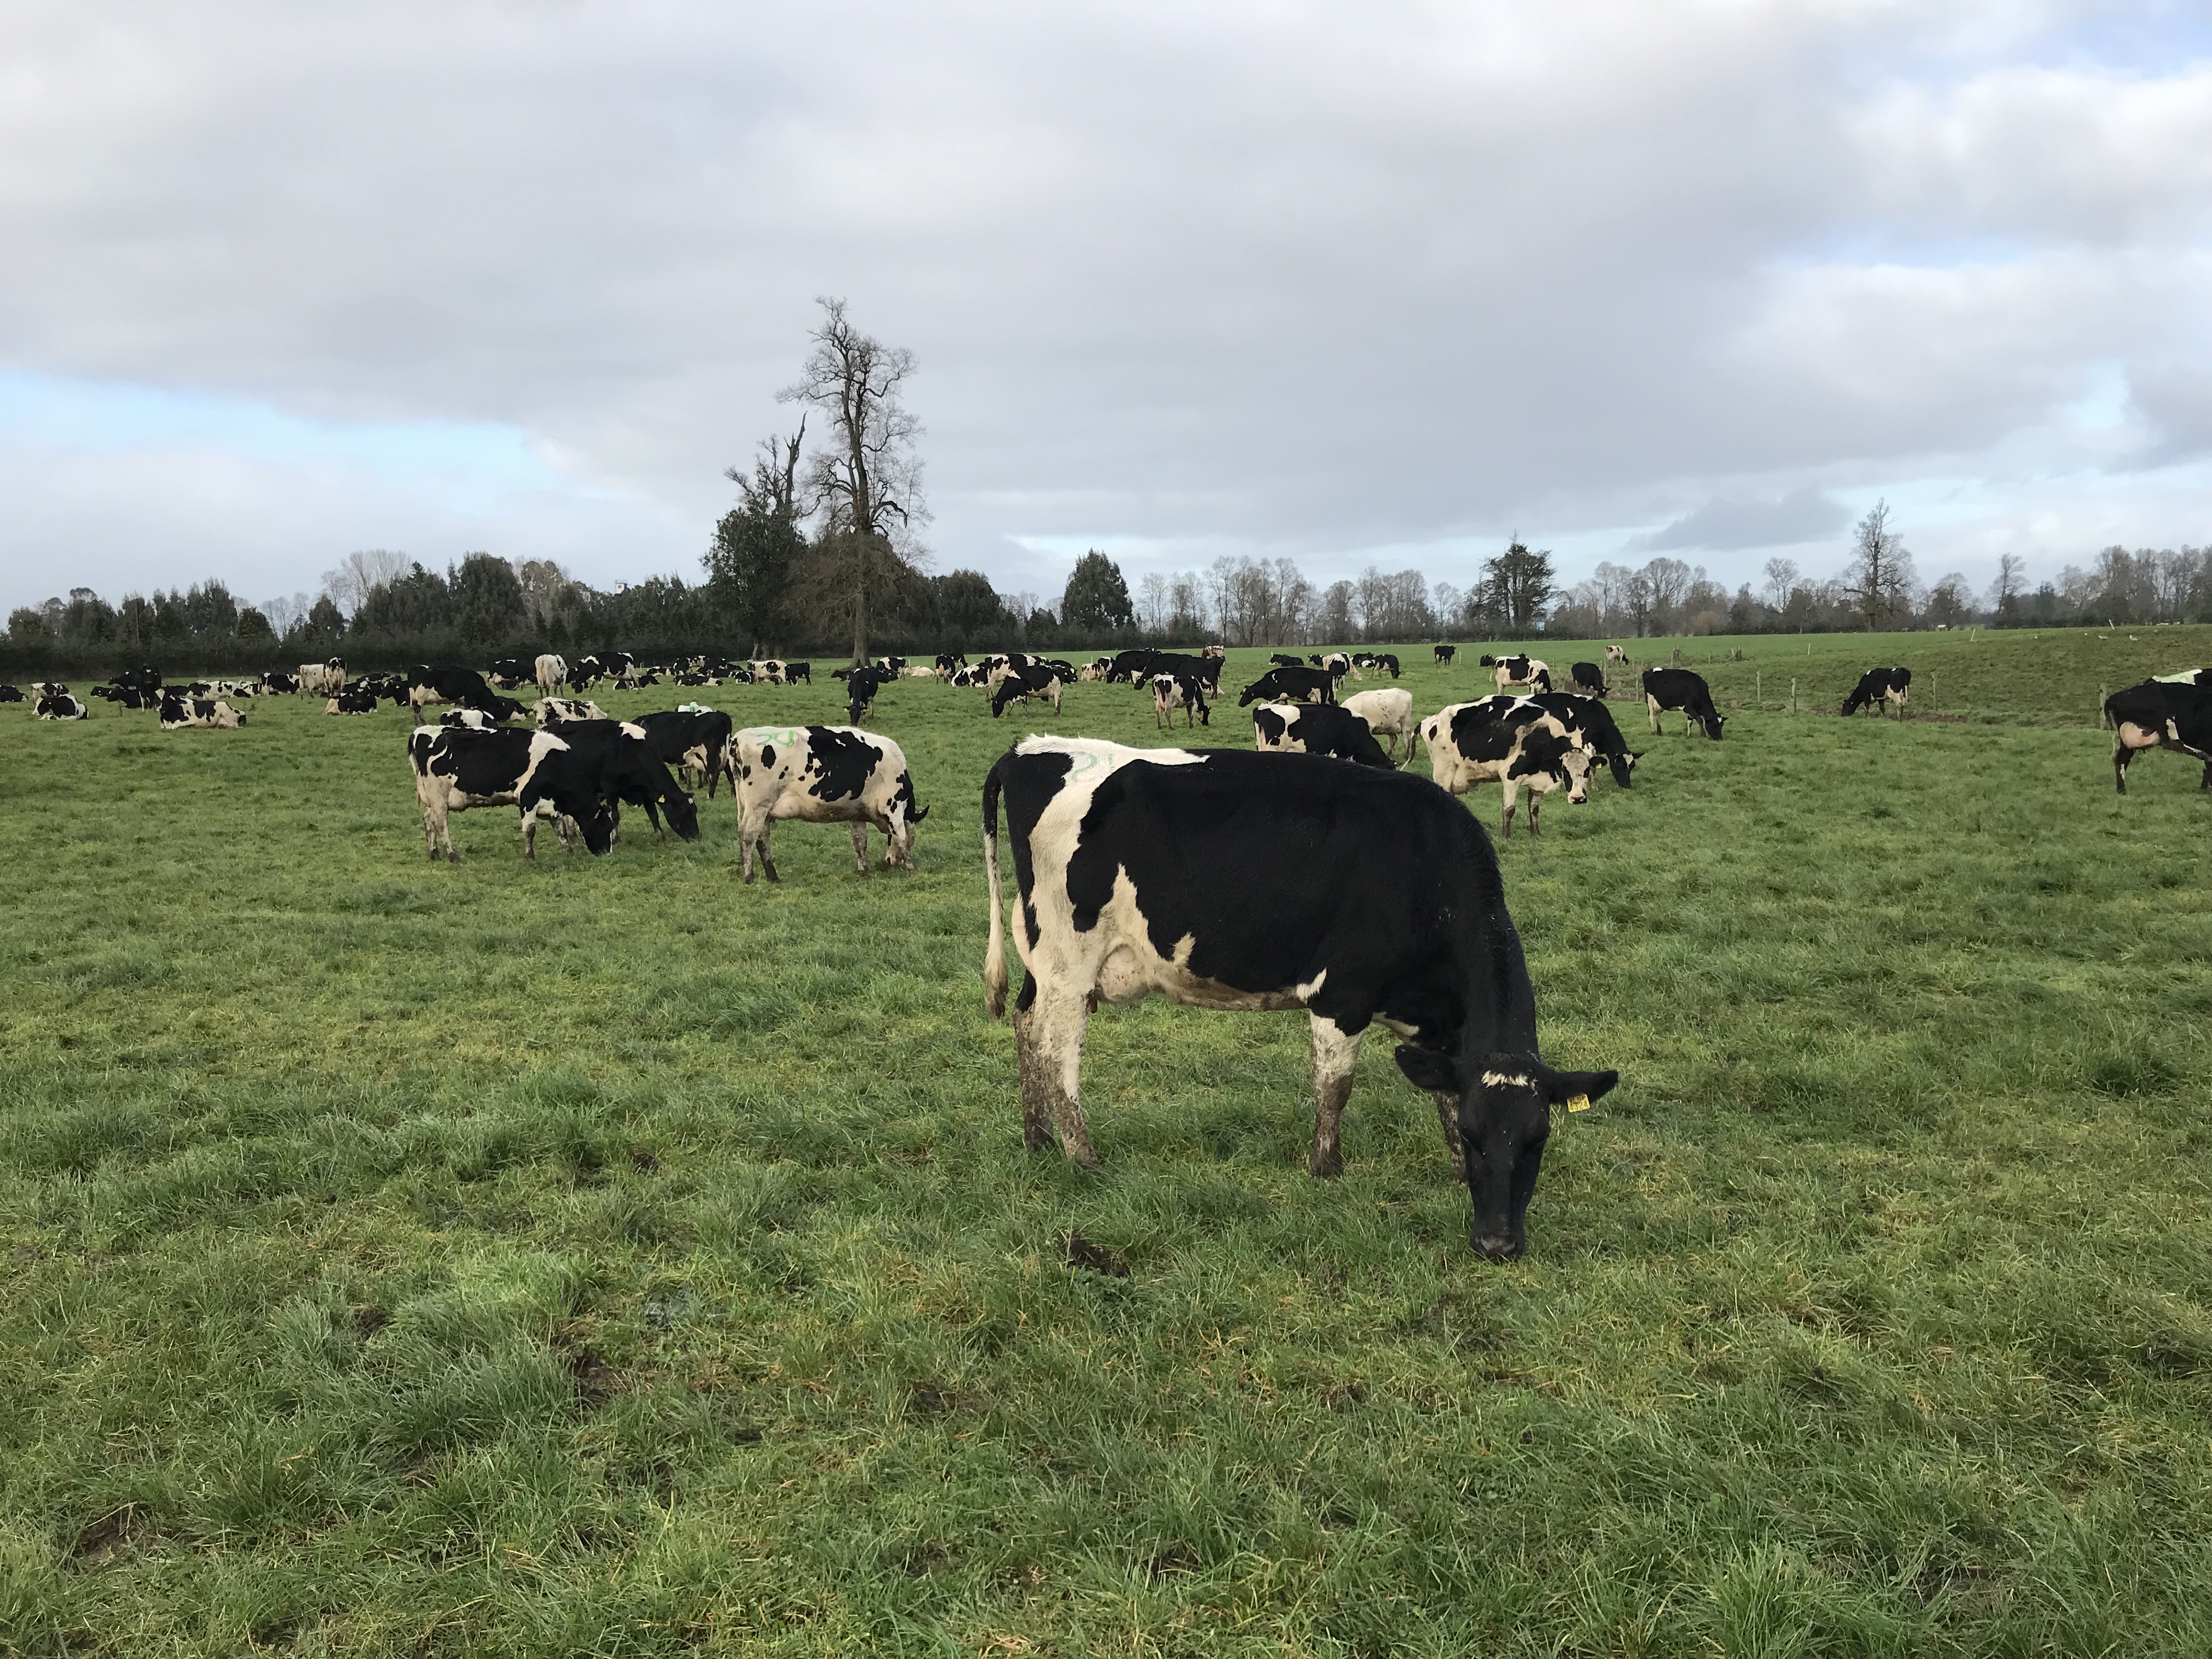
(1579, 1102)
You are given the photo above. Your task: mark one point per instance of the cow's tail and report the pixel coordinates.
(994, 954)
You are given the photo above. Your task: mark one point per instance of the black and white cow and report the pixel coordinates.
(1617, 653)
(1519, 670)
(1878, 686)
(1446, 653)
(275, 684)
(824, 774)
(50, 688)
(1389, 714)
(1678, 688)
(60, 706)
(1206, 671)
(552, 711)
(1184, 691)
(178, 713)
(618, 756)
(508, 672)
(1388, 663)
(861, 685)
(1469, 744)
(697, 740)
(1284, 660)
(1292, 683)
(11, 693)
(353, 701)
(1037, 680)
(1232, 880)
(1589, 720)
(950, 663)
(768, 671)
(321, 679)
(1296, 728)
(474, 720)
(976, 675)
(535, 771)
(2160, 714)
(2199, 677)
(1339, 663)
(1588, 678)
(428, 687)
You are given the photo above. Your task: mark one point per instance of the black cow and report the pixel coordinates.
(1037, 679)
(1678, 688)
(1878, 686)
(536, 771)
(698, 740)
(1135, 666)
(463, 687)
(795, 671)
(354, 701)
(2160, 714)
(861, 685)
(1290, 684)
(1284, 660)
(1588, 678)
(1293, 728)
(1446, 653)
(617, 756)
(1205, 670)
(11, 693)
(1229, 879)
(1386, 660)
(510, 672)
(278, 684)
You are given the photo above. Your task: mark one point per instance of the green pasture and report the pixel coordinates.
(601, 1257)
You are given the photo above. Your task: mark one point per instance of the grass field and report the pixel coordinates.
(603, 1257)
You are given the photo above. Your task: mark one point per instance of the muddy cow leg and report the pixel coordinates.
(1336, 1053)
(1056, 1028)
(1448, 1115)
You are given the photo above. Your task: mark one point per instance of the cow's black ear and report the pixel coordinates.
(1576, 1089)
(1428, 1068)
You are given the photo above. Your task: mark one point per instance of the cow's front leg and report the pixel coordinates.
(1448, 1115)
(1512, 799)
(860, 846)
(530, 832)
(1056, 1028)
(1336, 1053)
(1536, 801)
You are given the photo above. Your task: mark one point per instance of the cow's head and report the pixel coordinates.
(1256, 690)
(683, 813)
(1505, 1104)
(1713, 724)
(1487, 661)
(1623, 763)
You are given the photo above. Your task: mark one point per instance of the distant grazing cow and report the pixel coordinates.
(535, 771)
(950, 663)
(1291, 684)
(552, 711)
(1617, 653)
(551, 674)
(1389, 714)
(1878, 686)
(1386, 660)
(2160, 714)
(1232, 880)
(1296, 728)
(351, 701)
(1184, 691)
(1036, 681)
(1588, 678)
(1467, 746)
(1678, 688)
(1206, 671)
(697, 740)
(1519, 670)
(861, 685)
(1446, 653)
(824, 774)
(1338, 663)
(179, 712)
(1590, 720)
(617, 757)
(60, 706)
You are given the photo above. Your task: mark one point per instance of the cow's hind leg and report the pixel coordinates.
(1036, 1096)
(1336, 1053)
(1056, 1027)
(2121, 755)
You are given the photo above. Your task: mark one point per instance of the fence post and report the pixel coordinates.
(1757, 693)
(1793, 696)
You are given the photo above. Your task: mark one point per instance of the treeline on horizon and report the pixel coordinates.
(382, 610)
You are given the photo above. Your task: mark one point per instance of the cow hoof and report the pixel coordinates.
(1325, 1169)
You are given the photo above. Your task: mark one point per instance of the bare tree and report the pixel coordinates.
(360, 573)
(869, 479)
(1880, 576)
(1781, 579)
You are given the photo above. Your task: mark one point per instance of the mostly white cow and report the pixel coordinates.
(551, 675)
(823, 774)
(1230, 880)
(1389, 714)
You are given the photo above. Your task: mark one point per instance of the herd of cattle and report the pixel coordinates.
(1311, 871)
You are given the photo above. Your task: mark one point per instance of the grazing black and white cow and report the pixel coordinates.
(427, 687)
(508, 672)
(1589, 720)
(824, 774)
(11, 693)
(1284, 660)
(1469, 744)
(861, 685)
(1298, 728)
(1037, 680)
(1387, 661)
(1206, 671)
(618, 756)
(551, 673)
(795, 673)
(536, 771)
(552, 711)
(1588, 678)
(1291, 684)
(1389, 714)
(1446, 653)
(1184, 691)
(1878, 686)
(1617, 653)
(697, 740)
(950, 663)
(975, 675)
(1338, 663)
(1232, 880)
(179, 712)
(1678, 688)
(2160, 714)
(60, 705)
(1519, 670)
(352, 701)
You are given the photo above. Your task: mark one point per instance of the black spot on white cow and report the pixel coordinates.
(1879, 686)
(824, 774)
(1473, 743)
(1231, 880)
(1678, 688)
(1293, 728)
(548, 712)
(2160, 714)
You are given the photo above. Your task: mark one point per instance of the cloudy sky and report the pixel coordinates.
(1354, 283)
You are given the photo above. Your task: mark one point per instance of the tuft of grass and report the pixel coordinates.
(603, 1256)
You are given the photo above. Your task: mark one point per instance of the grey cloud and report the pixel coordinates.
(1726, 523)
